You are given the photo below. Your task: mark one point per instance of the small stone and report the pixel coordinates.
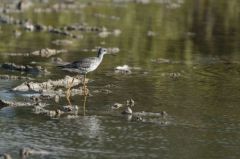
(40, 27)
(62, 42)
(128, 110)
(130, 102)
(59, 112)
(163, 113)
(125, 69)
(117, 32)
(151, 33)
(116, 105)
(24, 152)
(56, 98)
(5, 156)
(52, 113)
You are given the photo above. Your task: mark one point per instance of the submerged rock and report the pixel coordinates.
(72, 109)
(13, 77)
(151, 114)
(5, 156)
(26, 151)
(47, 52)
(23, 5)
(130, 102)
(127, 110)
(116, 106)
(62, 42)
(125, 69)
(4, 103)
(27, 68)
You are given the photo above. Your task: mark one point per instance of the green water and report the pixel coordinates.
(201, 40)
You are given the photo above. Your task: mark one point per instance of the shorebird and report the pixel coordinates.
(83, 66)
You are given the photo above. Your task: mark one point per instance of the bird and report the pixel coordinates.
(84, 66)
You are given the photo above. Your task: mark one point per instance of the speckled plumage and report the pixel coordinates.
(85, 65)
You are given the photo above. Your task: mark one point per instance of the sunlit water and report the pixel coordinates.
(198, 87)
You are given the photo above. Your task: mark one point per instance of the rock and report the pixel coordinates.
(40, 27)
(28, 26)
(73, 109)
(163, 113)
(105, 91)
(59, 112)
(27, 68)
(56, 98)
(137, 118)
(113, 50)
(130, 102)
(150, 114)
(128, 110)
(26, 151)
(51, 113)
(125, 69)
(104, 34)
(116, 106)
(47, 52)
(116, 32)
(72, 116)
(48, 86)
(23, 5)
(5, 156)
(175, 75)
(12, 77)
(62, 42)
(56, 60)
(17, 33)
(3, 104)
(151, 33)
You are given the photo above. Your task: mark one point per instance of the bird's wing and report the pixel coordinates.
(82, 63)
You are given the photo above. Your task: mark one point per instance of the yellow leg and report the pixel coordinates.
(68, 92)
(85, 90)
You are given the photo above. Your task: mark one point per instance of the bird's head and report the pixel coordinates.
(102, 51)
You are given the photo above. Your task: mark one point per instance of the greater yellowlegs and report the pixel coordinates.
(83, 66)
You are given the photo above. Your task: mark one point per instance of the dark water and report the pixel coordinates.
(197, 85)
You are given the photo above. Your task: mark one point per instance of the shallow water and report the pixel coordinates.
(197, 85)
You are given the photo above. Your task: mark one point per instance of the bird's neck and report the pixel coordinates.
(100, 56)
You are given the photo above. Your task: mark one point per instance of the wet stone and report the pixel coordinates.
(22, 68)
(116, 106)
(125, 69)
(13, 77)
(5, 156)
(27, 151)
(47, 52)
(62, 42)
(57, 98)
(130, 102)
(4, 103)
(48, 85)
(127, 110)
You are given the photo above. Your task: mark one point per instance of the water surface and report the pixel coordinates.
(197, 85)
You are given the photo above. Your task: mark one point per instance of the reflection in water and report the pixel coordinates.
(84, 105)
